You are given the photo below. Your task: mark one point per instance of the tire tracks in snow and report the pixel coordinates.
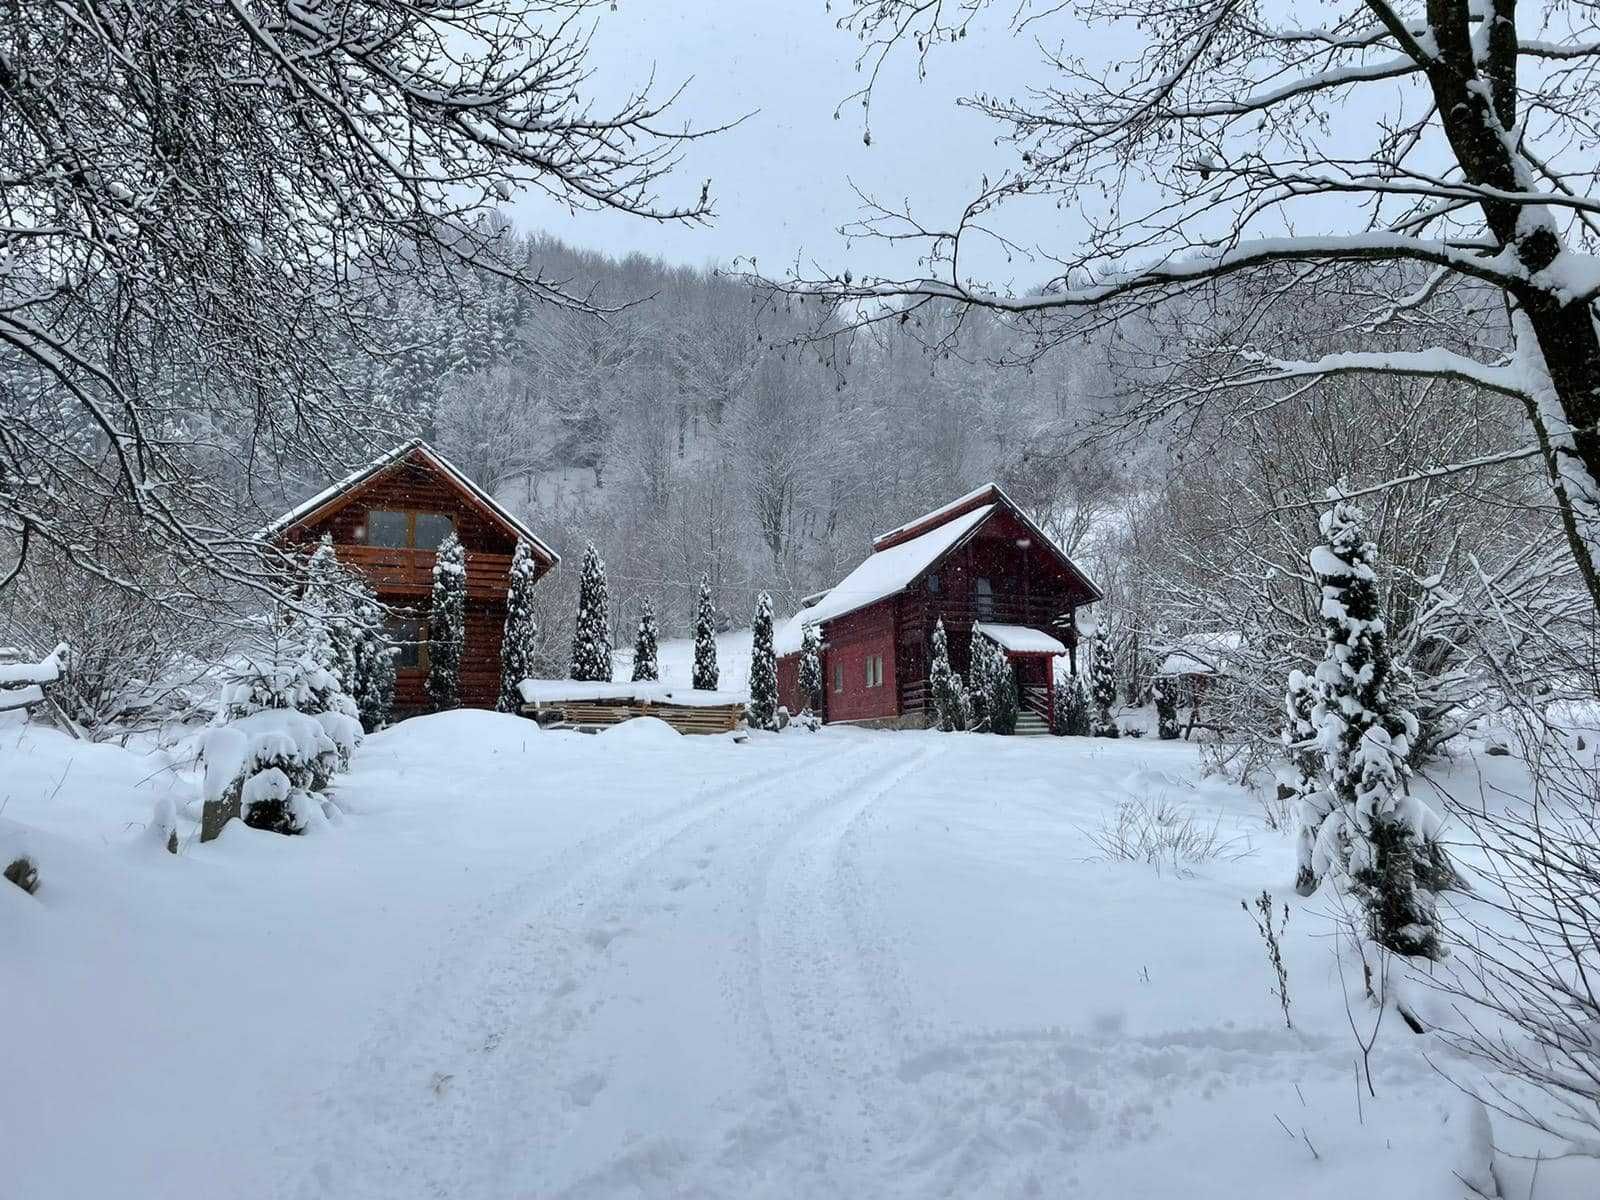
(379, 1129)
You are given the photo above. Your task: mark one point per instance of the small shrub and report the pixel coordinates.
(1273, 938)
(1157, 831)
(23, 872)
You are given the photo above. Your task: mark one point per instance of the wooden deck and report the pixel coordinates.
(685, 718)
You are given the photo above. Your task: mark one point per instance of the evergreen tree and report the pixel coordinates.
(1004, 706)
(645, 667)
(1073, 708)
(373, 687)
(946, 696)
(1300, 784)
(447, 624)
(519, 642)
(762, 710)
(979, 671)
(705, 640)
(811, 668)
(1365, 736)
(1103, 685)
(1163, 694)
(591, 637)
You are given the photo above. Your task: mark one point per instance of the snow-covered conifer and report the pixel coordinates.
(1309, 800)
(1364, 735)
(520, 640)
(1102, 684)
(447, 624)
(762, 710)
(1073, 708)
(344, 632)
(811, 668)
(373, 685)
(591, 636)
(645, 667)
(980, 665)
(1004, 705)
(705, 640)
(946, 696)
(1163, 691)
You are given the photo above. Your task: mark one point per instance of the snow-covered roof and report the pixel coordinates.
(1019, 639)
(1200, 653)
(889, 571)
(939, 512)
(557, 691)
(383, 462)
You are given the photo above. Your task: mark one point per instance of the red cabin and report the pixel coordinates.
(386, 521)
(979, 561)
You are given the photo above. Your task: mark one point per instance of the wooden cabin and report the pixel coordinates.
(386, 521)
(978, 561)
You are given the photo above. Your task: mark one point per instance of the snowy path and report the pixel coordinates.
(841, 964)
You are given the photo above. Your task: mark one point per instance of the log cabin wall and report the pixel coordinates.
(850, 643)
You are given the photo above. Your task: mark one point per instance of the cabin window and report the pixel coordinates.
(983, 598)
(387, 529)
(838, 677)
(874, 670)
(933, 582)
(397, 530)
(410, 638)
(432, 528)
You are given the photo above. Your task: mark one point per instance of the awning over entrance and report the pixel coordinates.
(1019, 639)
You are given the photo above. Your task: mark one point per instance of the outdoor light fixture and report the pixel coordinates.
(1024, 543)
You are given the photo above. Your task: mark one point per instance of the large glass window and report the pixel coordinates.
(386, 528)
(983, 598)
(407, 530)
(432, 528)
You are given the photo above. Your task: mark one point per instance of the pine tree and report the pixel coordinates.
(1073, 708)
(591, 637)
(1163, 694)
(811, 668)
(1300, 784)
(373, 689)
(447, 624)
(762, 710)
(1103, 685)
(946, 696)
(979, 670)
(645, 667)
(1004, 707)
(705, 640)
(519, 642)
(1365, 736)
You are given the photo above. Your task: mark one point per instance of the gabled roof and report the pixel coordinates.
(331, 499)
(905, 552)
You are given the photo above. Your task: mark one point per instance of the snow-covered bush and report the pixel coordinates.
(1375, 836)
(947, 699)
(705, 639)
(447, 624)
(1102, 685)
(284, 730)
(646, 668)
(1156, 830)
(992, 688)
(978, 683)
(811, 669)
(762, 710)
(519, 642)
(591, 635)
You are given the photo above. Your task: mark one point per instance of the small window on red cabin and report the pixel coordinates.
(838, 677)
(388, 529)
(933, 582)
(397, 529)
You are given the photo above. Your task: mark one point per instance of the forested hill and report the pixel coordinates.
(687, 432)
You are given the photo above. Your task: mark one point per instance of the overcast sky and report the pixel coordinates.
(781, 180)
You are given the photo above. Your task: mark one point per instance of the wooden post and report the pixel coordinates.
(1050, 689)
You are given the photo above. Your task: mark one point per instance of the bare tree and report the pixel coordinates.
(204, 206)
(1206, 154)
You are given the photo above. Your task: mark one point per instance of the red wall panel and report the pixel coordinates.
(850, 642)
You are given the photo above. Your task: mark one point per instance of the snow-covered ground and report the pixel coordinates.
(833, 964)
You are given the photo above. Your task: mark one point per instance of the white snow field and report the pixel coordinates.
(533, 964)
